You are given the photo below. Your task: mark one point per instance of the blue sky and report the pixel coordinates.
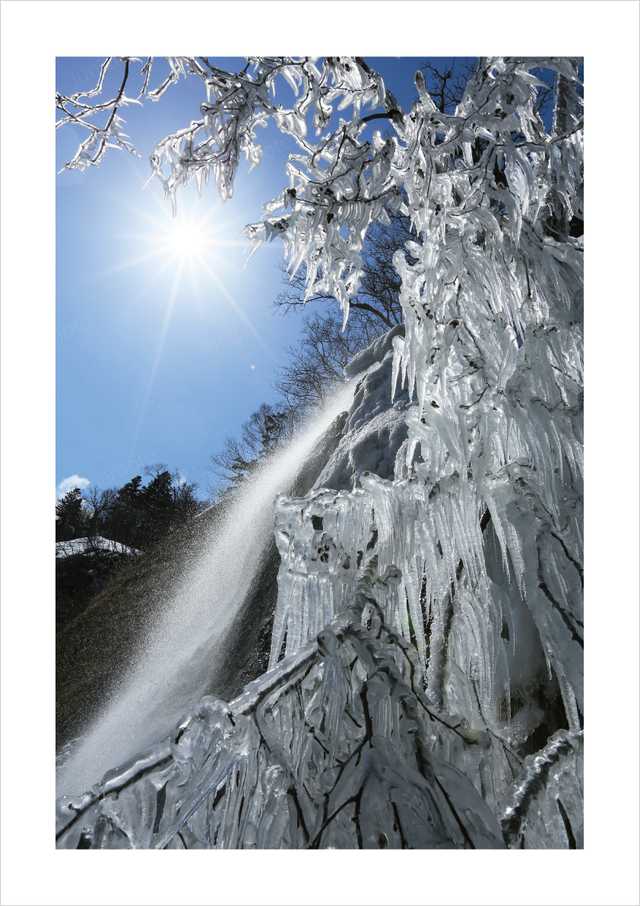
(158, 355)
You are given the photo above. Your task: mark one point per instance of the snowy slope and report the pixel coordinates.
(88, 545)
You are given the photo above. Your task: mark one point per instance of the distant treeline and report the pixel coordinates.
(135, 515)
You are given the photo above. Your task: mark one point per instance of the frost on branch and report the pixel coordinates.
(99, 140)
(338, 184)
(426, 675)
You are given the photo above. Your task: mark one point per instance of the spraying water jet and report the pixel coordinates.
(181, 654)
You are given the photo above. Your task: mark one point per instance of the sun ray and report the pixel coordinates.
(160, 347)
(117, 268)
(236, 308)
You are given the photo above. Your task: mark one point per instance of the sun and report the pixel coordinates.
(187, 238)
(189, 244)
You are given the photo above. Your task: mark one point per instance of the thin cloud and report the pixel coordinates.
(74, 481)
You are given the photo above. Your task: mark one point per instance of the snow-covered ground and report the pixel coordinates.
(89, 545)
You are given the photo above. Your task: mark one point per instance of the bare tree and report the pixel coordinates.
(98, 502)
(266, 430)
(446, 82)
(316, 362)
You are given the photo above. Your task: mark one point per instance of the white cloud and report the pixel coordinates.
(68, 483)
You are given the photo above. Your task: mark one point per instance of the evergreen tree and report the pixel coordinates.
(125, 518)
(157, 508)
(71, 520)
